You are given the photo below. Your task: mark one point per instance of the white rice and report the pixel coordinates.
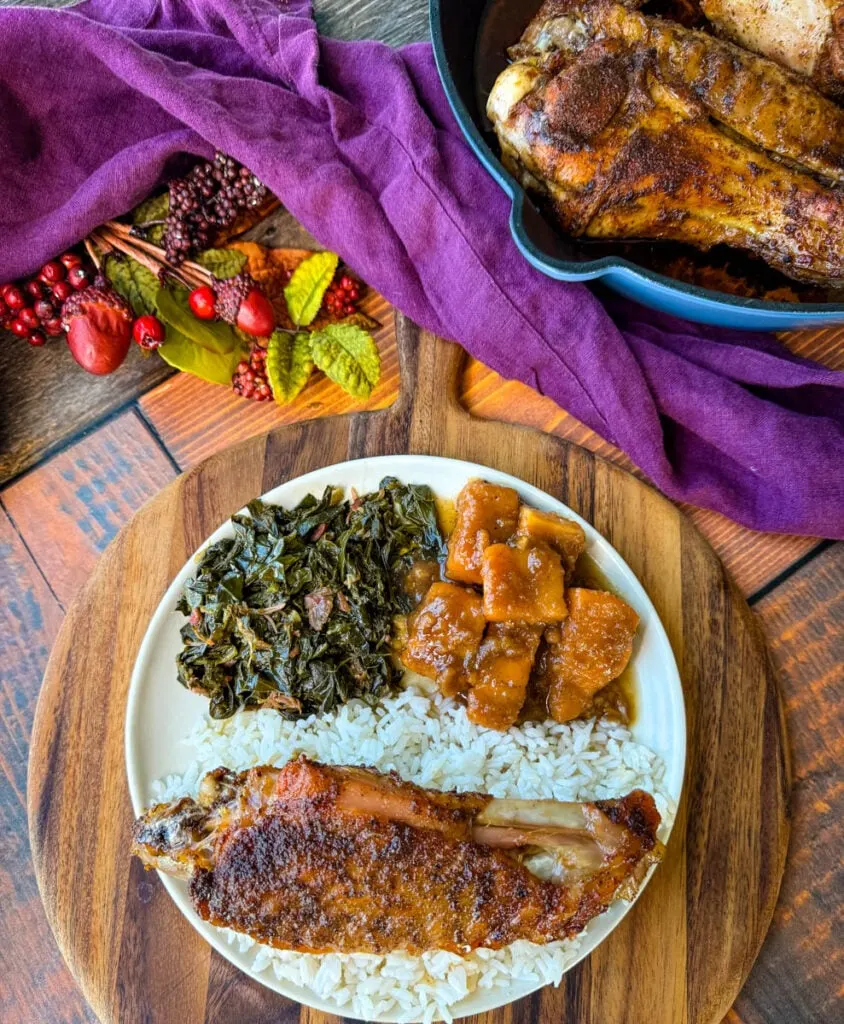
(429, 740)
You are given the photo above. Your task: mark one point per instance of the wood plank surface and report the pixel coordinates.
(46, 399)
(91, 490)
(68, 509)
(34, 981)
(798, 977)
(699, 924)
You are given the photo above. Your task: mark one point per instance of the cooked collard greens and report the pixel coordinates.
(296, 611)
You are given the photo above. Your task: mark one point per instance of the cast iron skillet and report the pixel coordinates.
(470, 40)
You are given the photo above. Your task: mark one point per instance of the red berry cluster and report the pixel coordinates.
(32, 309)
(250, 378)
(342, 296)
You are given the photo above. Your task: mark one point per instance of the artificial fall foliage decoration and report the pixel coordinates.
(308, 284)
(266, 317)
(348, 355)
(290, 362)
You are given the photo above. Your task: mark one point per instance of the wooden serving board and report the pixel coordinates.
(683, 952)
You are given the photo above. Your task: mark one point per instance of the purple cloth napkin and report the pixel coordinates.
(358, 142)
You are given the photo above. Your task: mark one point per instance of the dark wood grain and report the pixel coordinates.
(46, 399)
(691, 939)
(395, 23)
(68, 509)
(91, 490)
(34, 981)
(798, 975)
(196, 419)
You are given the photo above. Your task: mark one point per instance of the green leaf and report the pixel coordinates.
(155, 208)
(134, 282)
(289, 364)
(308, 285)
(222, 263)
(349, 356)
(206, 349)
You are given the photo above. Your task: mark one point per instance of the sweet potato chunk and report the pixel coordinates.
(589, 650)
(444, 634)
(486, 514)
(563, 535)
(500, 675)
(523, 583)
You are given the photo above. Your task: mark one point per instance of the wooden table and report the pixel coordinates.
(78, 455)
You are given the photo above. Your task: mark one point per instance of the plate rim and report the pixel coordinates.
(176, 888)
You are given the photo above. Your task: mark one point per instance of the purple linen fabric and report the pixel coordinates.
(358, 142)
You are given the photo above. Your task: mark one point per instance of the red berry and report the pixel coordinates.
(20, 328)
(44, 310)
(62, 291)
(70, 259)
(53, 327)
(35, 288)
(52, 272)
(202, 302)
(250, 377)
(4, 309)
(13, 297)
(78, 277)
(37, 338)
(29, 317)
(148, 332)
(346, 281)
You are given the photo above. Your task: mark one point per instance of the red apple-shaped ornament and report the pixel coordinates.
(99, 327)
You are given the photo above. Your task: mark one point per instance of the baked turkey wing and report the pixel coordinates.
(804, 35)
(752, 96)
(322, 859)
(623, 150)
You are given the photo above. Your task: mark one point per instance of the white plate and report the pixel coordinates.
(161, 713)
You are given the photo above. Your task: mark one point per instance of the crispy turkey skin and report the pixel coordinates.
(804, 35)
(635, 127)
(323, 859)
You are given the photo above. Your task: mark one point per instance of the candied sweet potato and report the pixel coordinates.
(485, 514)
(444, 635)
(590, 649)
(500, 674)
(523, 583)
(563, 535)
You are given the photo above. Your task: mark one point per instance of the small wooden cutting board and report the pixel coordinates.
(682, 953)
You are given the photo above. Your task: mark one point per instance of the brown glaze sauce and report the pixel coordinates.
(616, 701)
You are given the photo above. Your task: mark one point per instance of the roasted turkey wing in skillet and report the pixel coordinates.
(632, 127)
